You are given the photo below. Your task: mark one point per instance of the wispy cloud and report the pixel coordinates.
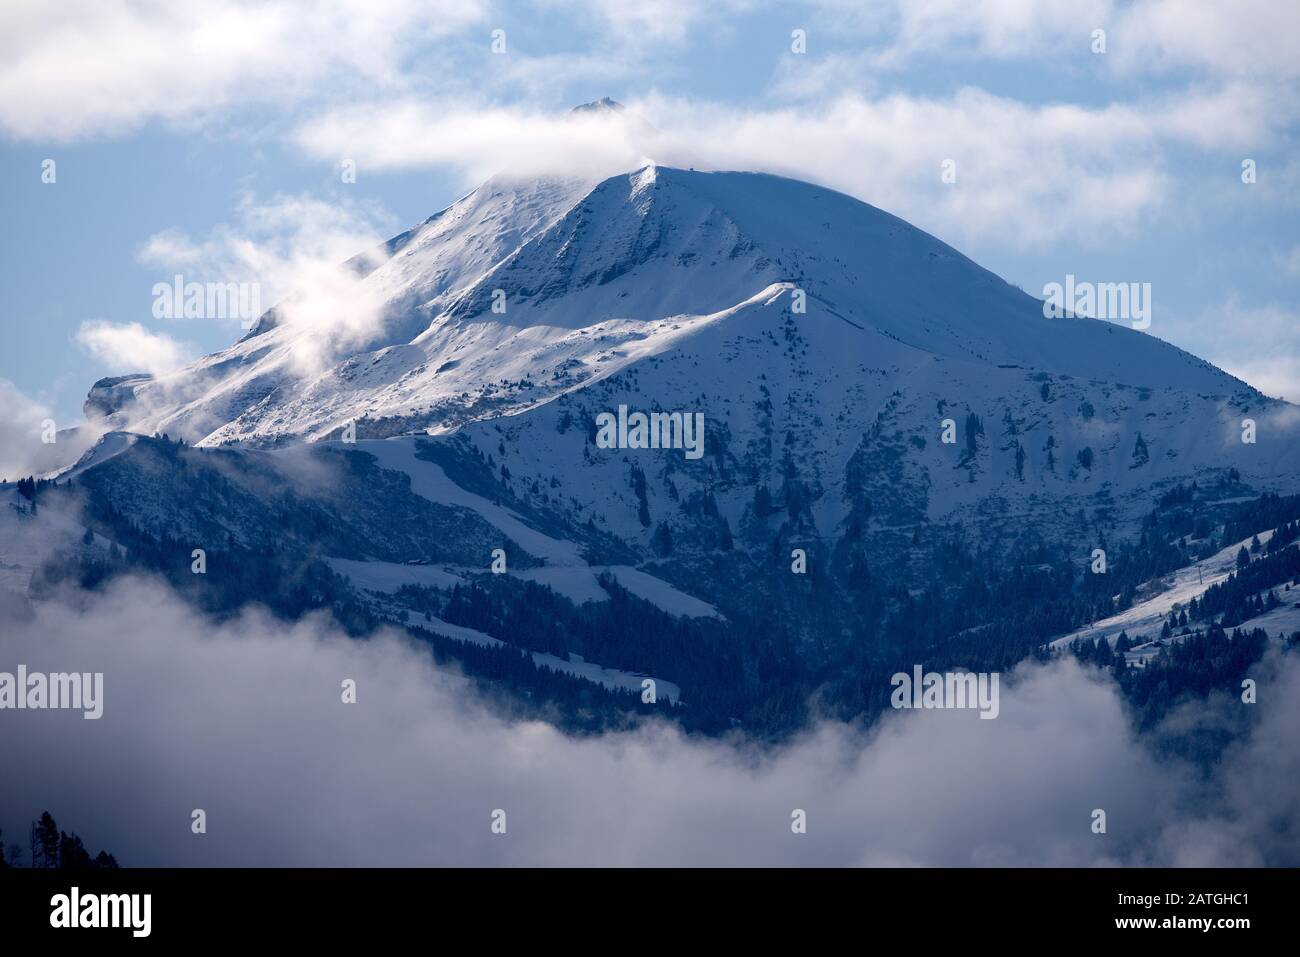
(1053, 170)
(21, 419)
(130, 347)
(296, 250)
(1289, 261)
(636, 23)
(1246, 38)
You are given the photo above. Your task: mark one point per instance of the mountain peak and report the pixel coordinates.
(603, 105)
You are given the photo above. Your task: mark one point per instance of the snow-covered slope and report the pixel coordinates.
(1144, 622)
(582, 269)
(401, 286)
(526, 309)
(1145, 619)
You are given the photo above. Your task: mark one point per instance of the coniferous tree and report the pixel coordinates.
(72, 853)
(1104, 657)
(1140, 453)
(47, 840)
(662, 541)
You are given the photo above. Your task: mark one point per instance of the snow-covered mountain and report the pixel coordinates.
(945, 455)
(528, 308)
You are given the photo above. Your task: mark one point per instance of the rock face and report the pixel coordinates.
(113, 396)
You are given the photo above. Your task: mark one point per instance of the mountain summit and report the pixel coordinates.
(603, 105)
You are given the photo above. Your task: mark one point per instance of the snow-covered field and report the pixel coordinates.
(574, 665)
(1281, 621)
(430, 481)
(579, 585)
(388, 577)
(1145, 620)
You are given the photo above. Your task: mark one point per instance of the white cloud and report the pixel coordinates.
(244, 719)
(130, 347)
(478, 141)
(988, 28)
(1051, 170)
(1244, 38)
(264, 236)
(87, 67)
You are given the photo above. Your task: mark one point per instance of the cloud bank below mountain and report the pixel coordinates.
(245, 720)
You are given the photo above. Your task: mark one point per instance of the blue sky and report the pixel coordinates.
(206, 138)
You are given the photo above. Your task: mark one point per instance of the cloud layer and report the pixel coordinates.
(245, 720)
(1054, 170)
(86, 68)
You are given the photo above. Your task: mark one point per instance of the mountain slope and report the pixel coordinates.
(527, 309)
(945, 456)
